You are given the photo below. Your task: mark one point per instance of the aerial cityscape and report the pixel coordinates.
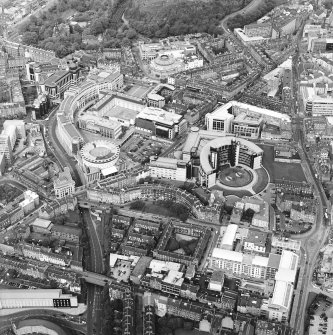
(166, 167)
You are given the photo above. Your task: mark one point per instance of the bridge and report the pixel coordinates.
(102, 280)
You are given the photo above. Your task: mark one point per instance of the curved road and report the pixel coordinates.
(249, 8)
(58, 150)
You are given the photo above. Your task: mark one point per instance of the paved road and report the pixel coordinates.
(312, 241)
(246, 10)
(58, 150)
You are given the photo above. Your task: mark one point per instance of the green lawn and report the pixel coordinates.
(156, 209)
(277, 170)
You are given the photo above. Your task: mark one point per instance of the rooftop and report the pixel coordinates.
(257, 237)
(282, 294)
(159, 115)
(227, 254)
(42, 223)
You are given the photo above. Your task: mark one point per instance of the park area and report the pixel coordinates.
(281, 171)
(8, 193)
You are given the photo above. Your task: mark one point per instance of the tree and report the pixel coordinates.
(30, 38)
(12, 273)
(96, 27)
(328, 4)
(130, 33)
(138, 205)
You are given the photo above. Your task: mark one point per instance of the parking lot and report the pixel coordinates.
(321, 317)
(140, 147)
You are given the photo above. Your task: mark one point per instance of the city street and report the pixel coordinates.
(57, 149)
(313, 240)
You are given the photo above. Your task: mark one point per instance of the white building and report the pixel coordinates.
(64, 185)
(240, 264)
(102, 125)
(316, 97)
(278, 307)
(169, 168)
(243, 119)
(229, 237)
(192, 62)
(219, 120)
(10, 131)
(281, 243)
(30, 202)
(155, 100)
(39, 298)
(19, 127)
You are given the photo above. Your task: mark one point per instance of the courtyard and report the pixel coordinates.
(235, 176)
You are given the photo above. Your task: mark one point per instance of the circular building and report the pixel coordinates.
(231, 159)
(101, 154)
(165, 65)
(98, 158)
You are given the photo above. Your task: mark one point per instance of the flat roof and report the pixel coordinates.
(42, 223)
(122, 113)
(139, 91)
(72, 131)
(256, 236)
(227, 254)
(282, 294)
(30, 294)
(159, 266)
(166, 162)
(251, 108)
(289, 260)
(159, 115)
(98, 120)
(260, 261)
(156, 97)
(109, 170)
(174, 277)
(286, 275)
(229, 235)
